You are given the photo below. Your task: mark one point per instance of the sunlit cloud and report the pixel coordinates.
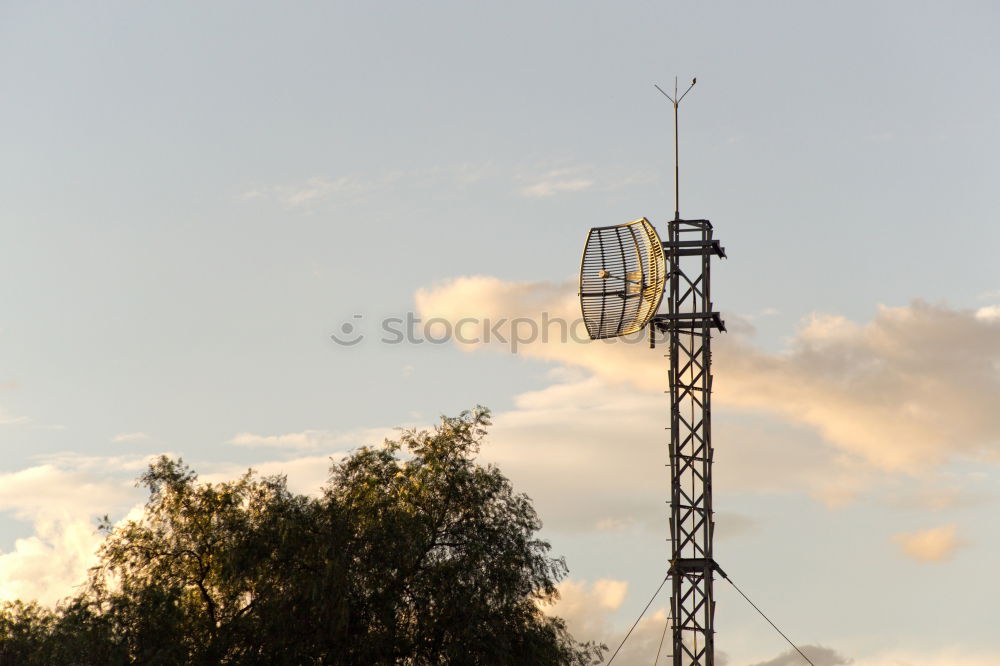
(48, 565)
(592, 613)
(588, 609)
(317, 191)
(312, 190)
(116, 466)
(592, 455)
(907, 391)
(558, 181)
(304, 475)
(62, 499)
(307, 439)
(545, 181)
(937, 544)
(6, 418)
(818, 655)
(945, 657)
(988, 313)
(62, 507)
(315, 439)
(130, 437)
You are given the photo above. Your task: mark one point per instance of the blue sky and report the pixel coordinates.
(196, 195)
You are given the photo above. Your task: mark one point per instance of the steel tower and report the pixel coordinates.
(688, 324)
(625, 272)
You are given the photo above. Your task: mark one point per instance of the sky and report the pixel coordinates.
(194, 197)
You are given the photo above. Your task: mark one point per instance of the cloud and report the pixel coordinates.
(556, 441)
(48, 565)
(558, 181)
(820, 656)
(730, 524)
(603, 610)
(315, 439)
(988, 313)
(6, 418)
(908, 391)
(824, 656)
(125, 464)
(592, 454)
(589, 609)
(936, 494)
(306, 475)
(307, 439)
(64, 495)
(47, 489)
(357, 188)
(62, 498)
(312, 190)
(948, 657)
(62, 506)
(937, 544)
(542, 182)
(595, 611)
(130, 437)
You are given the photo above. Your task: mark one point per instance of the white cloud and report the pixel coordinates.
(947, 657)
(48, 565)
(356, 188)
(129, 464)
(312, 190)
(587, 607)
(988, 313)
(542, 182)
(556, 182)
(62, 507)
(573, 448)
(130, 437)
(910, 390)
(63, 497)
(937, 492)
(825, 656)
(818, 655)
(6, 418)
(603, 610)
(305, 475)
(584, 427)
(937, 544)
(591, 612)
(307, 439)
(729, 524)
(315, 439)
(592, 454)
(47, 489)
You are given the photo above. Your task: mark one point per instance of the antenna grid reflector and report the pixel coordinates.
(622, 277)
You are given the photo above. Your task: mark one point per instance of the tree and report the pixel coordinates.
(445, 563)
(413, 555)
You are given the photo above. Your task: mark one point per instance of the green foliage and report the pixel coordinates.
(413, 555)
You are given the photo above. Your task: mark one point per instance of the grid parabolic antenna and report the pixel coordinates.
(621, 278)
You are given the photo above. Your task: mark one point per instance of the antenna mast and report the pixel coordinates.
(677, 150)
(688, 323)
(625, 273)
